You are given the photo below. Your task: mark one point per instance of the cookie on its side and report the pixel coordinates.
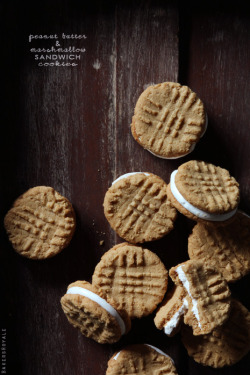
(226, 248)
(204, 192)
(208, 295)
(171, 312)
(224, 346)
(138, 209)
(135, 278)
(141, 360)
(41, 223)
(86, 310)
(169, 119)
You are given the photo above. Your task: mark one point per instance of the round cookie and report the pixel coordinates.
(225, 247)
(224, 346)
(204, 192)
(135, 278)
(86, 310)
(41, 223)
(169, 119)
(141, 360)
(138, 209)
(208, 295)
(170, 314)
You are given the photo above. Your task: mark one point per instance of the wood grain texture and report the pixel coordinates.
(70, 128)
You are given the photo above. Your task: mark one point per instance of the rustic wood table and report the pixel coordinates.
(69, 127)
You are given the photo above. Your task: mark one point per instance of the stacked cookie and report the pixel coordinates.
(130, 282)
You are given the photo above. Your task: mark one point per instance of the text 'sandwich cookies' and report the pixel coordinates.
(96, 318)
(169, 119)
(135, 278)
(138, 209)
(204, 192)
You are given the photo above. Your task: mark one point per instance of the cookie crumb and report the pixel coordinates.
(101, 242)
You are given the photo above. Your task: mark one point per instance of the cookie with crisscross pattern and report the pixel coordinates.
(141, 360)
(204, 192)
(97, 319)
(207, 293)
(41, 223)
(169, 119)
(226, 248)
(135, 278)
(138, 209)
(225, 345)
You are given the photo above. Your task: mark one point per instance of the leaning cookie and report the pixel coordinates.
(86, 310)
(138, 209)
(171, 312)
(204, 192)
(135, 278)
(141, 359)
(169, 119)
(208, 295)
(225, 247)
(41, 223)
(225, 345)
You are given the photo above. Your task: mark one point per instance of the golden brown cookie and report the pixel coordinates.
(135, 278)
(170, 314)
(86, 310)
(41, 223)
(141, 360)
(204, 192)
(208, 295)
(138, 209)
(225, 345)
(225, 247)
(169, 119)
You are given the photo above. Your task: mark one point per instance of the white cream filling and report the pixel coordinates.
(190, 150)
(186, 285)
(104, 304)
(194, 210)
(127, 175)
(153, 347)
(173, 323)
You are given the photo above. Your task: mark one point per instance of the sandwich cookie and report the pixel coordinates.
(96, 318)
(170, 314)
(204, 192)
(41, 223)
(208, 295)
(135, 278)
(138, 209)
(226, 248)
(225, 345)
(169, 119)
(141, 360)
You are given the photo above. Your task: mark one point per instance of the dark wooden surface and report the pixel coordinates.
(68, 127)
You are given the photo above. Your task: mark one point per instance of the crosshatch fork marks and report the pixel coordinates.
(138, 209)
(136, 287)
(168, 119)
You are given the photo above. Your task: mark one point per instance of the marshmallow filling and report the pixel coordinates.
(186, 285)
(175, 320)
(194, 210)
(104, 304)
